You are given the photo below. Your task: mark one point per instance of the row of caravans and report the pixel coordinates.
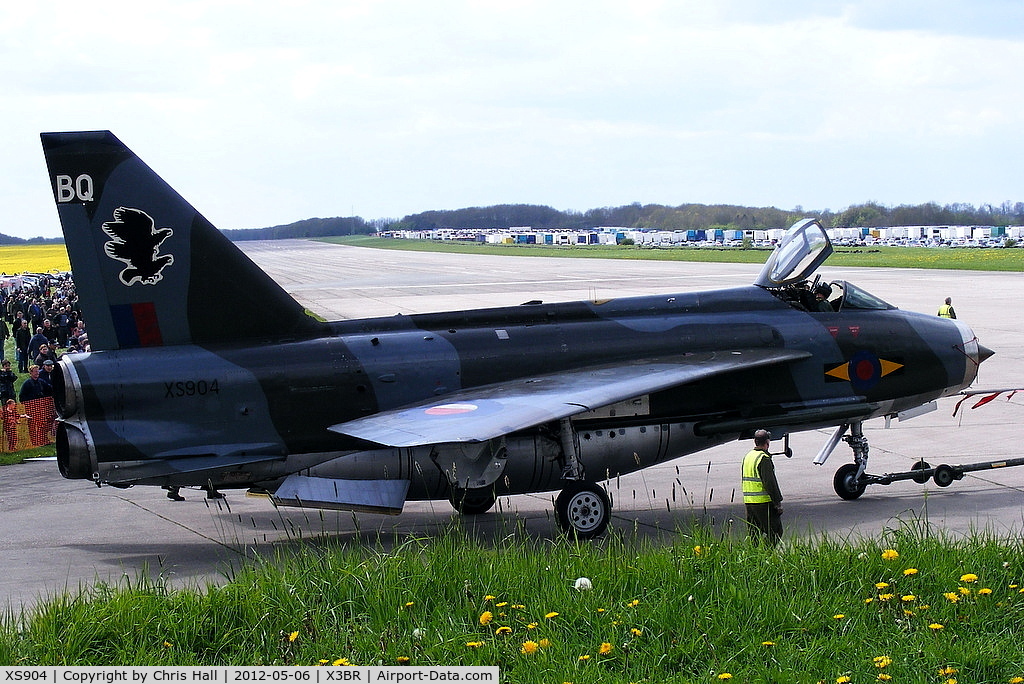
(610, 236)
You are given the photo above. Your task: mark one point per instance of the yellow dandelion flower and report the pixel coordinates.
(890, 554)
(341, 662)
(529, 647)
(868, 600)
(168, 644)
(518, 606)
(634, 603)
(402, 660)
(969, 578)
(486, 617)
(409, 604)
(605, 648)
(503, 630)
(551, 615)
(697, 550)
(768, 643)
(951, 596)
(490, 597)
(910, 571)
(909, 613)
(600, 610)
(844, 679)
(947, 671)
(474, 644)
(636, 632)
(585, 656)
(964, 590)
(885, 597)
(883, 662)
(532, 625)
(935, 626)
(884, 677)
(908, 598)
(501, 605)
(725, 675)
(1017, 680)
(293, 636)
(984, 592)
(839, 616)
(951, 680)
(881, 585)
(544, 643)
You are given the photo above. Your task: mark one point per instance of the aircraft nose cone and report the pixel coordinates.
(984, 353)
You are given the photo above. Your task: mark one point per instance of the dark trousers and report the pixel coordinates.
(764, 523)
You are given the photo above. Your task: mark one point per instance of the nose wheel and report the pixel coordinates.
(583, 509)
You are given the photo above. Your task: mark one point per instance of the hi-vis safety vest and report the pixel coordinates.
(946, 311)
(753, 487)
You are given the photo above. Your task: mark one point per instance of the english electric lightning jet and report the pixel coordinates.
(204, 372)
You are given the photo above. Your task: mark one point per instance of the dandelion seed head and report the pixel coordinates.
(583, 584)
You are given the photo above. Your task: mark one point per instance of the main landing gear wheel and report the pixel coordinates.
(583, 509)
(920, 465)
(846, 484)
(472, 501)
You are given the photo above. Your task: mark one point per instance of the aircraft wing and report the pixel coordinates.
(482, 413)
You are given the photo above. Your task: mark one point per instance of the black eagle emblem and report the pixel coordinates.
(135, 240)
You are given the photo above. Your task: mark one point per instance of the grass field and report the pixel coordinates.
(882, 257)
(912, 607)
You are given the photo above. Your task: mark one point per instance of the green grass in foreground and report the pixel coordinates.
(909, 607)
(874, 257)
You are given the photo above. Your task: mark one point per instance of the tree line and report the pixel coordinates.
(636, 215)
(651, 217)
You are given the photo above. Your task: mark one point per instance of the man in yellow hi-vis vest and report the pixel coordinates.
(946, 310)
(761, 494)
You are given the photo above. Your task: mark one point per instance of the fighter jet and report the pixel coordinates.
(204, 372)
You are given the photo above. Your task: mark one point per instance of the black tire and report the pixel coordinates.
(845, 483)
(944, 475)
(473, 501)
(583, 509)
(920, 465)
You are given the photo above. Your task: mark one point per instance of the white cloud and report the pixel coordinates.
(263, 114)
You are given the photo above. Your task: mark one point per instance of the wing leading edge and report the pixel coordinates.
(482, 413)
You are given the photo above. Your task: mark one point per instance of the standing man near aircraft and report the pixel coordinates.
(761, 494)
(946, 310)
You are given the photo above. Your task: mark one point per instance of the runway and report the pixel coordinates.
(61, 534)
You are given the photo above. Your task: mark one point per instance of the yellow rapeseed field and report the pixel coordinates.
(33, 258)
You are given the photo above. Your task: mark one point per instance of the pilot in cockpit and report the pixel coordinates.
(821, 294)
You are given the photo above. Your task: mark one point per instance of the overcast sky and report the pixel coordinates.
(264, 113)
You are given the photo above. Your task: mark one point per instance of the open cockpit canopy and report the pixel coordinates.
(803, 248)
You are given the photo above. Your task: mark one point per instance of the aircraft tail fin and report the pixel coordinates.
(148, 268)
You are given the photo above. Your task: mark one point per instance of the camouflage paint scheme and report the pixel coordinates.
(205, 372)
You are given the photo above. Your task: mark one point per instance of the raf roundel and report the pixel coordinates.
(450, 409)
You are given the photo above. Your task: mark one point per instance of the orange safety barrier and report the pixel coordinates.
(28, 425)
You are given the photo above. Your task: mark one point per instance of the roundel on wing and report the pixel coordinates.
(450, 409)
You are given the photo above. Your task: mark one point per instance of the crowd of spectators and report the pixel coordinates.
(44, 320)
